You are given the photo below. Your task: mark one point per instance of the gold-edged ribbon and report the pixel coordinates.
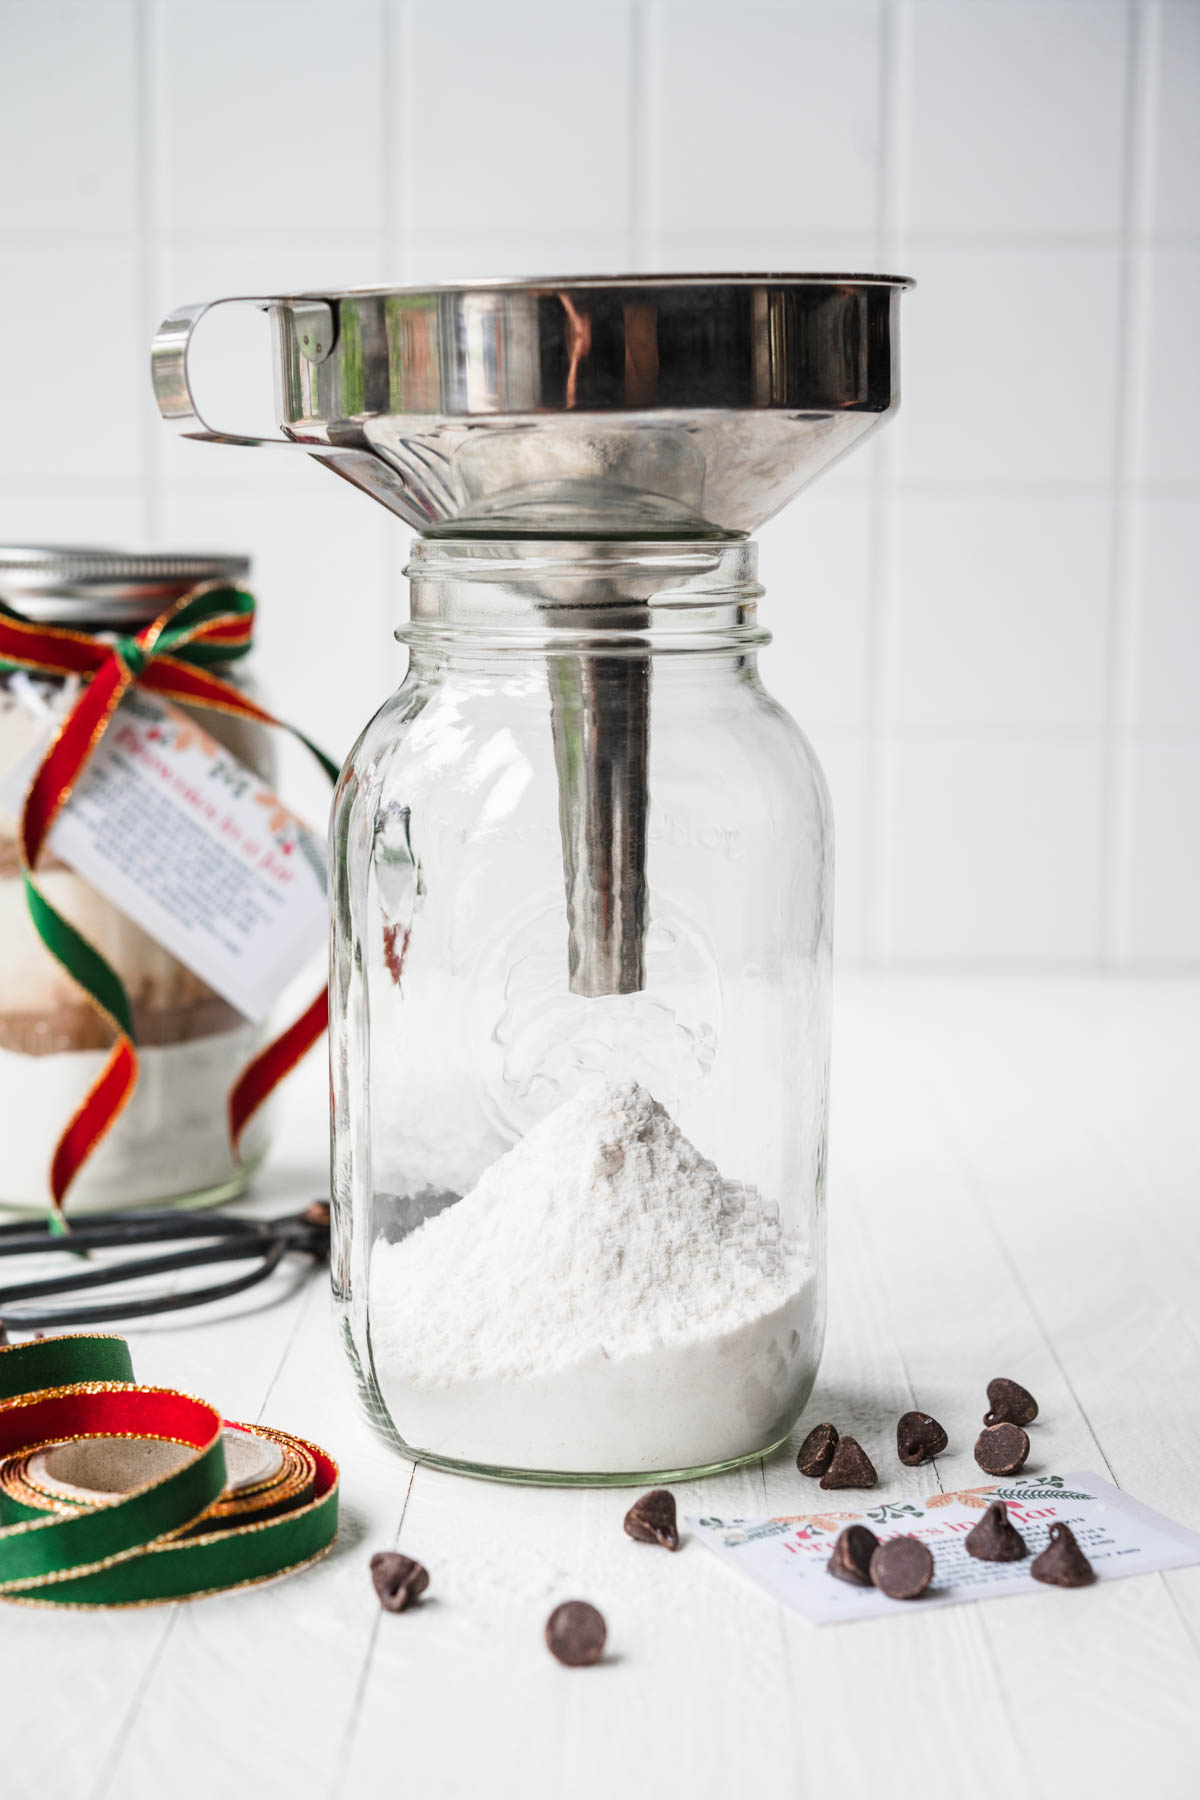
(176, 1537)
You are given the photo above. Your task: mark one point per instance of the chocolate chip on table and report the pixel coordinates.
(1009, 1403)
(850, 1467)
(1062, 1563)
(995, 1538)
(1001, 1449)
(575, 1633)
(918, 1437)
(902, 1568)
(652, 1520)
(398, 1579)
(851, 1559)
(816, 1452)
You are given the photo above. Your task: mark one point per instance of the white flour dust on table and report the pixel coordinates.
(602, 1300)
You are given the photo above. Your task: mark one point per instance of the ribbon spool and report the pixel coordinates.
(113, 1494)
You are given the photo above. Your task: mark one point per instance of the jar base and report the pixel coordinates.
(194, 1200)
(644, 1478)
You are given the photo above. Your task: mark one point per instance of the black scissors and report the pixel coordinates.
(213, 1239)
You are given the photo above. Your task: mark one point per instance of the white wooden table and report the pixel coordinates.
(1015, 1190)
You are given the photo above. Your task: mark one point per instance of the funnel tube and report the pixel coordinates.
(600, 709)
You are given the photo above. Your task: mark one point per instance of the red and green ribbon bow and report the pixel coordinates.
(173, 657)
(168, 1539)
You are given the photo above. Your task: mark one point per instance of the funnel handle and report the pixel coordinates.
(169, 373)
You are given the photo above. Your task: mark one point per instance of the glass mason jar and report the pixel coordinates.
(171, 1143)
(582, 868)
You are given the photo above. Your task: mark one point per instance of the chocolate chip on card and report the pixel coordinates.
(919, 1437)
(1009, 1403)
(1001, 1449)
(575, 1633)
(816, 1452)
(1062, 1563)
(652, 1519)
(902, 1568)
(995, 1538)
(851, 1559)
(398, 1579)
(850, 1467)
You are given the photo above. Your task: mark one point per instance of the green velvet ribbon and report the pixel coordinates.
(130, 1552)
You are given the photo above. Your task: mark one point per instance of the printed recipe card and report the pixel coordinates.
(787, 1556)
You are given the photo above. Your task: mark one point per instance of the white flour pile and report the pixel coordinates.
(603, 1300)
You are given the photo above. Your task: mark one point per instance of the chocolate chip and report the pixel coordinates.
(995, 1538)
(1062, 1563)
(651, 1520)
(1010, 1403)
(902, 1568)
(918, 1437)
(851, 1559)
(398, 1579)
(575, 1633)
(850, 1467)
(816, 1452)
(1001, 1449)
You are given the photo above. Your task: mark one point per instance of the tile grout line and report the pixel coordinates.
(1120, 597)
(394, 60)
(1064, 240)
(648, 201)
(894, 24)
(403, 192)
(148, 56)
(389, 215)
(638, 138)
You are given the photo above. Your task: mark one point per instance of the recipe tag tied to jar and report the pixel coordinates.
(188, 842)
(788, 1557)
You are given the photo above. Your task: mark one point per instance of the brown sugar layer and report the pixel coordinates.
(10, 859)
(65, 1028)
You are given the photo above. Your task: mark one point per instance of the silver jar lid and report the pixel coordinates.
(67, 584)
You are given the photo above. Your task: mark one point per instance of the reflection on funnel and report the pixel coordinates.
(616, 407)
(609, 407)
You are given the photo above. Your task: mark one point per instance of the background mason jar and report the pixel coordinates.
(171, 1143)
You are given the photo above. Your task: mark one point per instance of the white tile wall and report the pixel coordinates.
(989, 623)
(999, 613)
(1009, 368)
(1017, 108)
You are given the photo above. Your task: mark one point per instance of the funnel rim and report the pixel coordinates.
(560, 283)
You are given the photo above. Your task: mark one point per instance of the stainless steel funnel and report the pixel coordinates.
(612, 407)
